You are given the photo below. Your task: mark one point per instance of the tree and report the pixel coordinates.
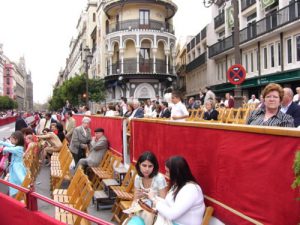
(74, 89)
(96, 90)
(7, 103)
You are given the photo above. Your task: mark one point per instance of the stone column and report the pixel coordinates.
(154, 51)
(137, 60)
(167, 53)
(121, 51)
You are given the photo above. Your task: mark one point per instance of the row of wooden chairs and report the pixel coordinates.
(226, 115)
(60, 165)
(78, 195)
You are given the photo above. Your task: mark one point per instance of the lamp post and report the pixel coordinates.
(238, 99)
(88, 57)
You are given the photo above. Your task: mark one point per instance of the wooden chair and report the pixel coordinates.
(232, 115)
(242, 116)
(118, 215)
(192, 114)
(125, 191)
(200, 114)
(59, 174)
(207, 215)
(64, 195)
(20, 196)
(105, 170)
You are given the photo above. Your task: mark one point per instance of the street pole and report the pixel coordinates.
(238, 99)
(86, 82)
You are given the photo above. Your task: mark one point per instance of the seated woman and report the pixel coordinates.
(17, 170)
(211, 113)
(270, 114)
(184, 203)
(148, 180)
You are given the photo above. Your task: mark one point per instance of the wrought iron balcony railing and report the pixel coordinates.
(271, 22)
(135, 24)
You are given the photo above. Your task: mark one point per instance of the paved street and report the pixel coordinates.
(42, 184)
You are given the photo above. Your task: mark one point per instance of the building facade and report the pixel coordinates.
(269, 45)
(133, 47)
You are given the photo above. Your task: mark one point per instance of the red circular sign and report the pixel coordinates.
(236, 74)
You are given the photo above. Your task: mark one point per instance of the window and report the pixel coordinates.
(144, 54)
(144, 17)
(251, 18)
(289, 50)
(265, 58)
(7, 81)
(94, 17)
(7, 91)
(279, 53)
(7, 72)
(298, 47)
(272, 55)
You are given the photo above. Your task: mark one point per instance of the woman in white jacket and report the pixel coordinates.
(184, 203)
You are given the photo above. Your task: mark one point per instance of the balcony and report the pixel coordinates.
(219, 20)
(254, 30)
(200, 60)
(145, 66)
(111, 6)
(135, 24)
(247, 3)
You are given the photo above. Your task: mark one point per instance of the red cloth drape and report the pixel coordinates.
(252, 173)
(112, 128)
(14, 212)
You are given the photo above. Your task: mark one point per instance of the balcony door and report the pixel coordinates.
(144, 19)
(144, 60)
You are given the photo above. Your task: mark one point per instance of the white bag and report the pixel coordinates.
(160, 220)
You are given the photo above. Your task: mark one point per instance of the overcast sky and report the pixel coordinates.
(41, 32)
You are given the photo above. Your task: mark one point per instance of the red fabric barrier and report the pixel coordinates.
(112, 128)
(7, 120)
(249, 172)
(14, 212)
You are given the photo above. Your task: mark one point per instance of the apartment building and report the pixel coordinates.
(269, 45)
(133, 47)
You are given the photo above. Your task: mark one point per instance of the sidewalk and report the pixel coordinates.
(42, 186)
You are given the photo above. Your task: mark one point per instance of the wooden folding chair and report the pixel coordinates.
(207, 215)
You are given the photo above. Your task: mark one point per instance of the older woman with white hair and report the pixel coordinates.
(80, 139)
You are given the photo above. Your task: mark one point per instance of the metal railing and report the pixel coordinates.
(135, 24)
(219, 20)
(271, 22)
(200, 60)
(145, 66)
(32, 205)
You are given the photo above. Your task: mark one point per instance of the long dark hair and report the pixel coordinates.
(151, 158)
(18, 135)
(180, 173)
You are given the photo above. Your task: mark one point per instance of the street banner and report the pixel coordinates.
(229, 16)
(267, 3)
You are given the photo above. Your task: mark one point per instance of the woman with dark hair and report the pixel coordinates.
(184, 203)
(17, 170)
(60, 132)
(148, 180)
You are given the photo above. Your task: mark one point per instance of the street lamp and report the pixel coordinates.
(238, 99)
(88, 57)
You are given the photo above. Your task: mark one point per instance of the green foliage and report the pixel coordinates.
(96, 90)
(7, 103)
(296, 167)
(73, 90)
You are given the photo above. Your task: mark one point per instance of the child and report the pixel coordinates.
(17, 170)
